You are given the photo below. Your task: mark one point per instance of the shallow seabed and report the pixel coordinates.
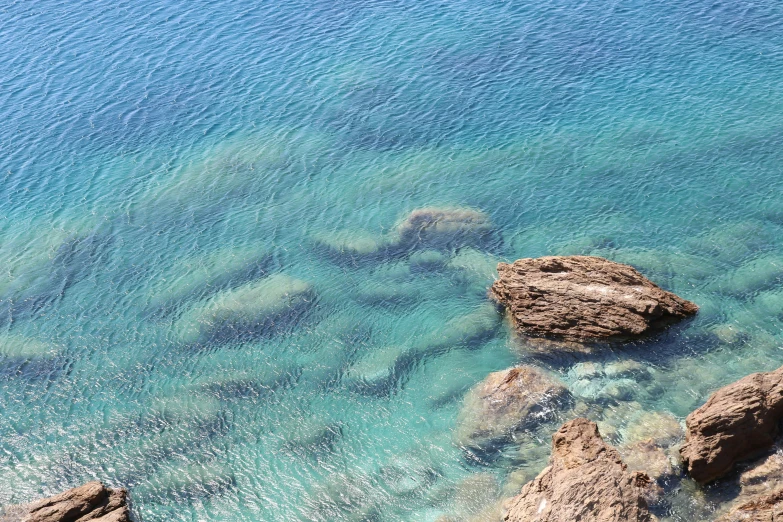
(155, 156)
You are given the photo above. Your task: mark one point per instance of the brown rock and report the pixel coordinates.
(506, 401)
(763, 508)
(92, 502)
(444, 227)
(583, 298)
(736, 423)
(585, 480)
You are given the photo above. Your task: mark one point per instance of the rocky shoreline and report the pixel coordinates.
(581, 303)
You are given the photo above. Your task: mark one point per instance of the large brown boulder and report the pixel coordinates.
(736, 423)
(585, 480)
(506, 401)
(767, 507)
(583, 298)
(92, 502)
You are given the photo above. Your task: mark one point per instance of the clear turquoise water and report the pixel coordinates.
(143, 142)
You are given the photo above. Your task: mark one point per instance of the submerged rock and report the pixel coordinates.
(465, 331)
(659, 426)
(737, 422)
(249, 310)
(763, 477)
(435, 227)
(766, 507)
(205, 274)
(348, 243)
(582, 298)
(585, 480)
(507, 401)
(627, 369)
(311, 435)
(376, 370)
(760, 274)
(15, 346)
(430, 230)
(649, 457)
(760, 492)
(92, 501)
(474, 499)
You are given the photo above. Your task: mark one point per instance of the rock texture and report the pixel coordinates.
(763, 508)
(737, 422)
(92, 502)
(583, 298)
(585, 480)
(506, 401)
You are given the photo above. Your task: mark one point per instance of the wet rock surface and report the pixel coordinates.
(737, 422)
(585, 480)
(91, 502)
(584, 298)
(506, 401)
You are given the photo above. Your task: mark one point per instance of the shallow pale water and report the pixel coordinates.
(157, 155)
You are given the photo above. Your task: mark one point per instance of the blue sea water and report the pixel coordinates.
(156, 155)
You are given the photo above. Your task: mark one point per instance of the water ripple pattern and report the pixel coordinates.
(206, 294)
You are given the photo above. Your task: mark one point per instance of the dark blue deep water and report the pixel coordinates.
(157, 156)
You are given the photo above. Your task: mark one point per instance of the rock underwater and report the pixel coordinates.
(504, 402)
(761, 492)
(763, 508)
(427, 228)
(736, 423)
(91, 502)
(585, 480)
(584, 299)
(248, 310)
(444, 228)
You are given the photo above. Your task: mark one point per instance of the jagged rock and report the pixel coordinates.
(504, 402)
(584, 298)
(91, 502)
(585, 480)
(737, 422)
(444, 228)
(763, 508)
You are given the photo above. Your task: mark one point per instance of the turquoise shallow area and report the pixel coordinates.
(156, 155)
